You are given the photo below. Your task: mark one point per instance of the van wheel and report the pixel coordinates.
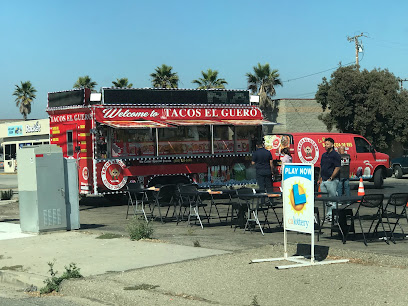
(378, 179)
(397, 171)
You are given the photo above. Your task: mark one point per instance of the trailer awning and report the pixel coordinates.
(195, 122)
(141, 124)
(247, 122)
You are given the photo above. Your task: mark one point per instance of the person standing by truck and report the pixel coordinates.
(343, 188)
(329, 172)
(287, 158)
(262, 159)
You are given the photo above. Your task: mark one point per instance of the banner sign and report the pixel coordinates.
(298, 197)
(15, 130)
(188, 113)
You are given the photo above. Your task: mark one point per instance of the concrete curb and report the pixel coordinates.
(5, 202)
(22, 279)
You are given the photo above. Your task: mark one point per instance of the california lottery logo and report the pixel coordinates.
(297, 198)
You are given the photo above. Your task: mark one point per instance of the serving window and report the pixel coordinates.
(133, 142)
(184, 140)
(223, 139)
(247, 136)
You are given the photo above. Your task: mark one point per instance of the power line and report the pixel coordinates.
(312, 74)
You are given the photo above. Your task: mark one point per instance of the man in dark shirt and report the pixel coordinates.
(329, 172)
(262, 159)
(344, 186)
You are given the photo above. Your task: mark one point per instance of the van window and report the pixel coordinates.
(362, 146)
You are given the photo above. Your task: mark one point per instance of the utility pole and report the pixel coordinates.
(402, 80)
(358, 45)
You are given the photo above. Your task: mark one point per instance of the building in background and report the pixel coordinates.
(298, 115)
(17, 134)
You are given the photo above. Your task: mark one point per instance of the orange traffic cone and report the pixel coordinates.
(361, 192)
(319, 190)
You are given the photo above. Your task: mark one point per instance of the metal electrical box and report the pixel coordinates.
(71, 193)
(41, 188)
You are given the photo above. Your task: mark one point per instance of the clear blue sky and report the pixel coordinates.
(52, 43)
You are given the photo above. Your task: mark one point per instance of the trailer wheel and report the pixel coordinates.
(378, 179)
(169, 179)
(119, 199)
(398, 171)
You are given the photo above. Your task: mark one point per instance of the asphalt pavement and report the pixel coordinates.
(170, 270)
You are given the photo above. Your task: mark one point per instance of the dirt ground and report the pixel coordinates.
(375, 275)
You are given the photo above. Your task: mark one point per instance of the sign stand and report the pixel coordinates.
(298, 213)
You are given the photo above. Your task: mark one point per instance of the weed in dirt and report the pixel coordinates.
(6, 194)
(190, 231)
(31, 288)
(12, 268)
(53, 284)
(138, 229)
(108, 236)
(254, 301)
(141, 287)
(1, 256)
(196, 244)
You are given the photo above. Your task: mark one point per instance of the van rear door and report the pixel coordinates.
(363, 162)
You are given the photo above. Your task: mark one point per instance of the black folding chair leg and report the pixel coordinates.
(362, 231)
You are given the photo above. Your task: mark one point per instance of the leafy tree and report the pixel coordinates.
(210, 80)
(368, 103)
(163, 77)
(263, 82)
(85, 82)
(25, 94)
(122, 83)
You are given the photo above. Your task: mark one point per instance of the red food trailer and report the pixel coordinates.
(156, 136)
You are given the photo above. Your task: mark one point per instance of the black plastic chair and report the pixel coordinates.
(370, 203)
(135, 194)
(396, 209)
(275, 203)
(166, 197)
(189, 198)
(254, 206)
(226, 198)
(240, 208)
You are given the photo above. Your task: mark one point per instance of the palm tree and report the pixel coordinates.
(25, 96)
(164, 78)
(263, 83)
(122, 83)
(210, 80)
(85, 82)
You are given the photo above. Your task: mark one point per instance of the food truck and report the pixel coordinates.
(156, 136)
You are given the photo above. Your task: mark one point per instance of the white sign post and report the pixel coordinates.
(298, 212)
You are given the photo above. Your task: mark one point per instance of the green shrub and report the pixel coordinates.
(6, 195)
(53, 283)
(138, 229)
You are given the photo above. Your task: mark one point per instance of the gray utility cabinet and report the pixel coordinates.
(41, 188)
(71, 193)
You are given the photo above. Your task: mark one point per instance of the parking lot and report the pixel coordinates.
(99, 216)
